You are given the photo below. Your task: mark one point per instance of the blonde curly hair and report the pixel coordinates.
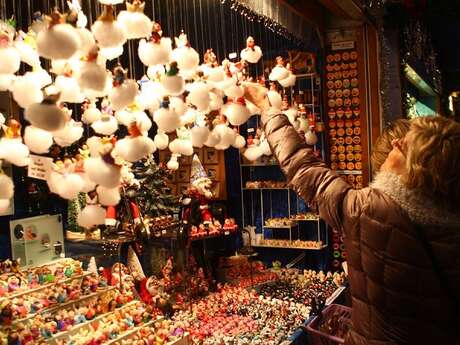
(433, 159)
(382, 146)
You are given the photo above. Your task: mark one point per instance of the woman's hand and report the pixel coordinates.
(257, 94)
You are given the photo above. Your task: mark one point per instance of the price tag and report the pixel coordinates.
(232, 56)
(227, 233)
(39, 167)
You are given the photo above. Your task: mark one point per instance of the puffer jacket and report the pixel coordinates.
(396, 295)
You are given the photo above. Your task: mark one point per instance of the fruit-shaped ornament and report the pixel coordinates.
(9, 55)
(252, 53)
(279, 72)
(171, 81)
(124, 90)
(186, 57)
(156, 51)
(108, 32)
(166, 117)
(136, 23)
(135, 146)
(59, 41)
(47, 115)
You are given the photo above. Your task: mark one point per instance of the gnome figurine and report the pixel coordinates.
(198, 195)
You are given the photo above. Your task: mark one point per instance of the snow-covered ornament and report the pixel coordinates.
(252, 53)
(189, 117)
(155, 72)
(161, 140)
(69, 89)
(253, 153)
(213, 139)
(156, 51)
(199, 95)
(108, 196)
(68, 135)
(11, 147)
(311, 138)
(37, 140)
(103, 170)
(92, 76)
(87, 42)
(234, 91)
(124, 90)
(108, 32)
(91, 113)
(240, 142)
(75, 7)
(60, 41)
(9, 56)
(172, 82)
(133, 114)
(166, 118)
(111, 53)
(290, 79)
(216, 100)
(279, 72)
(149, 97)
(173, 164)
(186, 57)
(64, 181)
(199, 136)
(182, 144)
(236, 111)
(136, 23)
(107, 125)
(135, 146)
(6, 81)
(46, 115)
(26, 46)
(27, 90)
(227, 136)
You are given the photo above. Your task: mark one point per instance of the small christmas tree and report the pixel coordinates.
(75, 206)
(154, 196)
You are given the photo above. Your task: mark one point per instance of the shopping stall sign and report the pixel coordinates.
(343, 45)
(39, 167)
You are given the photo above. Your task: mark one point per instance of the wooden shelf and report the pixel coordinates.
(258, 165)
(267, 188)
(288, 247)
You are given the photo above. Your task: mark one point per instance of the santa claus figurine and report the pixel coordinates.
(198, 195)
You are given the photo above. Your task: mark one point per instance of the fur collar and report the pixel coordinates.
(421, 210)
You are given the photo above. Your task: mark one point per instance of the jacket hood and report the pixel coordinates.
(420, 209)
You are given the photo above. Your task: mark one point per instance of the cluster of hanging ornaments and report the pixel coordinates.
(182, 97)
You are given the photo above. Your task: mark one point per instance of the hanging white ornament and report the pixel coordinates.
(27, 90)
(199, 136)
(4, 205)
(227, 136)
(172, 82)
(289, 81)
(6, 187)
(161, 140)
(75, 7)
(6, 82)
(311, 138)
(182, 144)
(275, 100)
(124, 91)
(102, 171)
(91, 114)
(25, 45)
(189, 117)
(71, 133)
(89, 185)
(199, 95)
(279, 72)
(157, 51)
(216, 101)
(136, 23)
(236, 112)
(155, 72)
(166, 118)
(69, 89)
(235, 91)
(173, 164)
(91, 75)
(66, 185)
(213, 139)
(91, 216)
(186, 57)
(108, 196)
(112, 52)
(252, 53)
(148, 98)
(107, 125)
(11, 147)
(135, 146)
(107, 31)
(179, 106)
(59, 41)
(87, 42)
(9, 56)
(240, 142)
(253, 153)
(46, 115)
(37, 140)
